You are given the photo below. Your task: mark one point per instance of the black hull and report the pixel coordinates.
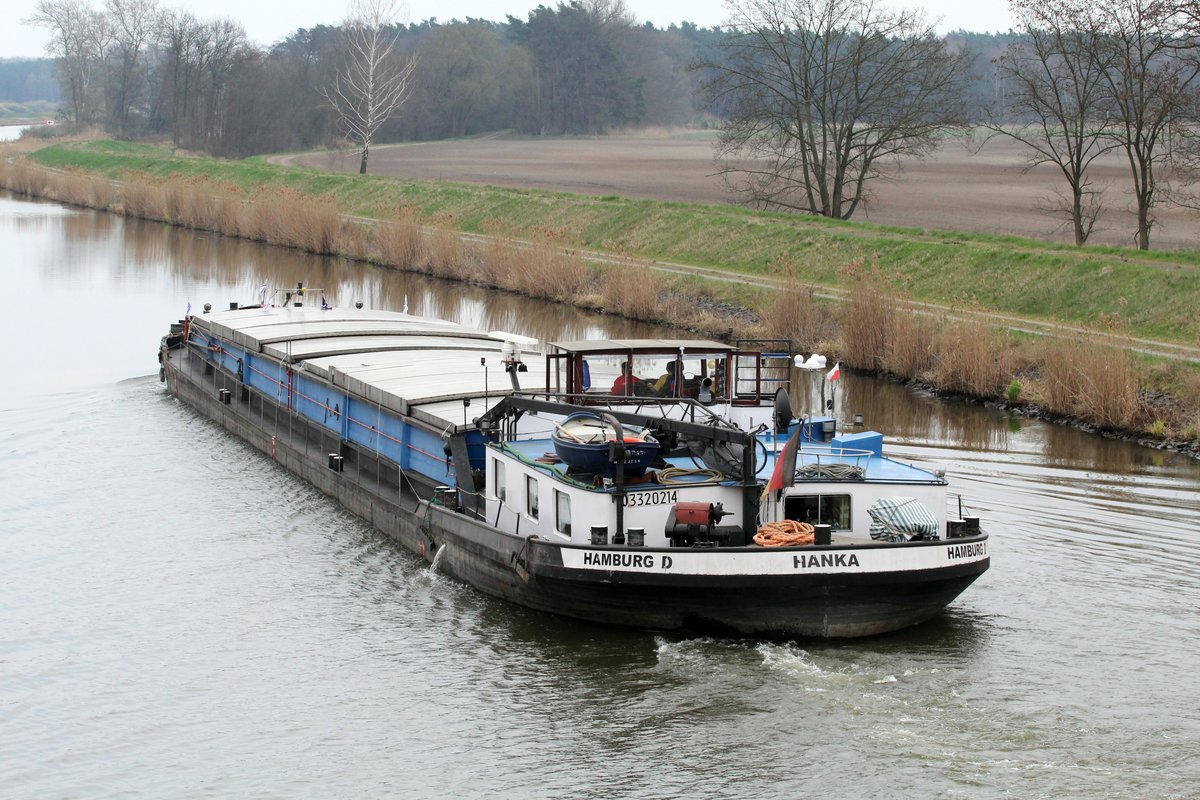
(804, 606)
(531, 572)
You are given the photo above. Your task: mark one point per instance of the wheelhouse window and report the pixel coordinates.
(819, 509)
(562, 513)
(499, 486)
(531, 496)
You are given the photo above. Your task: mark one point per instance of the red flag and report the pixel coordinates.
(834, 373)
(784, 474)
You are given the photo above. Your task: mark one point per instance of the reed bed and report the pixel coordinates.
(795, 313)
(913, 349)
(972, 357)
(192, 203)
(500, 257)
(22, 177)
(144, 199)
(355, 242)
(550, 269)
(631, 291)
(400, 240)
(84, 189)
(291, 218)
(1085, 378)
(867, 322)
(448, 256)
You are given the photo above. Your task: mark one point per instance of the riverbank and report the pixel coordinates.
(767, 274)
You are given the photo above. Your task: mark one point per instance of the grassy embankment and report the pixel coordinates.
(533, 239)
(32, 112)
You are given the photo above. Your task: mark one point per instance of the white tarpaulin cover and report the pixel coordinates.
(898, 519)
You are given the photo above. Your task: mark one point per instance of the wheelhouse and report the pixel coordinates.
(707, 371)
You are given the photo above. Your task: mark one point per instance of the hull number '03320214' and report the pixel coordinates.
(656, 498)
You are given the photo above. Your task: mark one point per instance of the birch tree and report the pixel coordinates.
(76, 43)
(374, 78)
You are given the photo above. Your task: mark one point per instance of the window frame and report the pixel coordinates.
(846, 502)
(499, 481)
(561, 528)
(532, 498)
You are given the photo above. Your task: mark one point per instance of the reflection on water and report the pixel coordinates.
(10, 132)
(178, 593)
(233, 269)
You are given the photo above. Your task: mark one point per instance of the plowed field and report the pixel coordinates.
(956, 189)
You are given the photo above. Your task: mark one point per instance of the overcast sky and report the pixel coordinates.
(267, 21)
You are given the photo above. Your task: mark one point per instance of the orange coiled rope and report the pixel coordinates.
(785, 533)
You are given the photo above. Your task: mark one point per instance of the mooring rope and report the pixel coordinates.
(785, 533)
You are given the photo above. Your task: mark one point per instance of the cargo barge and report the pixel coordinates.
(746, 521)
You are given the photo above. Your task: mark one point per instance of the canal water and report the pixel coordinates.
(181, 618)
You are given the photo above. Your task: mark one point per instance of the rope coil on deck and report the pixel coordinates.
(785, 533)
(677, 476)
(837, 472)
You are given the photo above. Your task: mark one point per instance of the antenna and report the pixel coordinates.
(510, 353)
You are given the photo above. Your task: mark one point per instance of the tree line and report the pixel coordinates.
(814, 99)
(25, 80)
(582, 67)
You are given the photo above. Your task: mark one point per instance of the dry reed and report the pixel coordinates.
(911, 351)
(24, 178)
(353, 241)
(550, 269)
(83, 189)
(500, 259)
(868, 318)
(1086, 378)
(143, 197)
(794, 312)
(401, 240)
(447, 253)
(229, 208)
(291, 218)
(631, 291)
(972, 358)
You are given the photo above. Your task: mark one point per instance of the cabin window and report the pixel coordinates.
(531, 496)
(499, 486)
(562, 513)
(819, 509)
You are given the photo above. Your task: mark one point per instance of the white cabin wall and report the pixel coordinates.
(648, 508)
(862, 496)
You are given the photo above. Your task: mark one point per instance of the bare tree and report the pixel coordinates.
(1053, 103)
(1151, 89)
(132, 23)
(827, 95)
(76, 42)
(375, 78)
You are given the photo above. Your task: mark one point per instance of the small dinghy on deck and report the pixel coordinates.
(584, 441)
